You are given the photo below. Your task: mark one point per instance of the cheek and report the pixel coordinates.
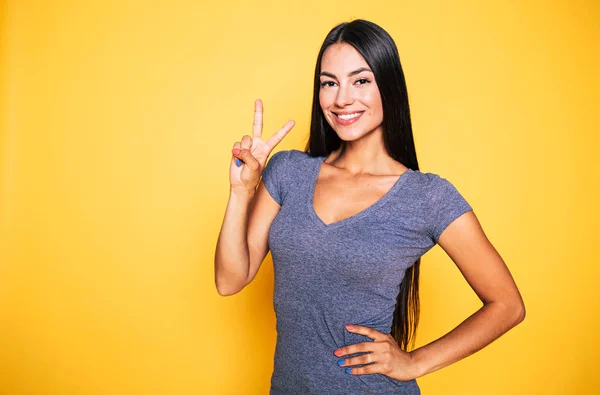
(373, 100)
(324, 100)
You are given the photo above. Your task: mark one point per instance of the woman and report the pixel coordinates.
(347, 222)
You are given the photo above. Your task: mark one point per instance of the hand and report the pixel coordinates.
(385, 356)
(250, 155)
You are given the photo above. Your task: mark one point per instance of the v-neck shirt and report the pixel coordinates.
(355, 216)
(346, 272)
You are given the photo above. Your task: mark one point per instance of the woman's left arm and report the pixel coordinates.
(467, 245)
(503, 308)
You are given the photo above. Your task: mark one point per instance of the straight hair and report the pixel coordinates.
(378, 49)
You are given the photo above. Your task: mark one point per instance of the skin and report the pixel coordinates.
(364, 171)
(242, 243)
(360, 172)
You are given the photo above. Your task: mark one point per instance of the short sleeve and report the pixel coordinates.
(274, 175)
(446, 205)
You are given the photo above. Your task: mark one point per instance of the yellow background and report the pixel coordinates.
(117, 119)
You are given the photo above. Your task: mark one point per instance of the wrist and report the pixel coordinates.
(240, 192)
(418, 364)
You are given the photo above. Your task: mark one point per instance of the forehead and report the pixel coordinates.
(342, 58)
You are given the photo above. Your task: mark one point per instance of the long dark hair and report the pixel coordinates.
(379, 51)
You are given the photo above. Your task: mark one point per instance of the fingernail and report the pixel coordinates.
(238, 162)
(348, 370)
(349, 327)
(337, 352)
(340, 362)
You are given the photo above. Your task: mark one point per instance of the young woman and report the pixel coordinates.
(347, 222)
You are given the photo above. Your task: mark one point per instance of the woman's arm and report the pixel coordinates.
(467, 245)
(503, 308)
(242, 243)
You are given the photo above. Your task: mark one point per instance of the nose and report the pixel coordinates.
(343, 97)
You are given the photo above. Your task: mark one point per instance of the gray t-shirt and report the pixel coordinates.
(347, 272)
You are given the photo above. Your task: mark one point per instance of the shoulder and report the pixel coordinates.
(295, 154)
(284, 170)
(434, 189)
(288, 160)
(443, 201)
(428, 183)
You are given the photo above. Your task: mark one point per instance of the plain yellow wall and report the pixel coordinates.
(117, 119)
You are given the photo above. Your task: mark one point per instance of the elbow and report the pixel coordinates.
(227, 288)
(516, 311)
(227, 291)
(520, 312)
(513, 313)
(519, 309)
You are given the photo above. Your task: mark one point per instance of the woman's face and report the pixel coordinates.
(349, 96)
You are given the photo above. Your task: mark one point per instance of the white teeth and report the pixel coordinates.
(349, 116)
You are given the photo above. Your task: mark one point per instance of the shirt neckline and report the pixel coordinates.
(311, 193)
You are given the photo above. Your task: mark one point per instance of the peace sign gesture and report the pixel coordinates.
(250, 155)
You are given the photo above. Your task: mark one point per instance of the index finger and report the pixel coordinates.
(257, 125)
(280, 134)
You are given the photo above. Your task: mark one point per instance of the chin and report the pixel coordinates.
(346, 134)
(347, 138)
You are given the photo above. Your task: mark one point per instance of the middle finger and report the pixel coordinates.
(364, 359)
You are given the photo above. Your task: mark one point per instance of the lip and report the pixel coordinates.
(343, 122)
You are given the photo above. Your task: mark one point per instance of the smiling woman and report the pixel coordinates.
(347, 221)
(356, 87)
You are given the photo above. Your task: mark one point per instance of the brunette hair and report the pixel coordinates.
(378, 49)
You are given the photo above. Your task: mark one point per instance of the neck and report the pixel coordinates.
(365, 155)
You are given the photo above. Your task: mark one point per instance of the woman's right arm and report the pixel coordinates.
(242, 245)
(243, 239)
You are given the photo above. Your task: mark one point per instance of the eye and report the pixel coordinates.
(324, 83)
(364, 81)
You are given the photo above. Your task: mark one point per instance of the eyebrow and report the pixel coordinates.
(350, 74)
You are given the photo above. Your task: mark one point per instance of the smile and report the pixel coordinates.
(347, 119)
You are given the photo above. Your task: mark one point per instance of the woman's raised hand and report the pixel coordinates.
(250, 155)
